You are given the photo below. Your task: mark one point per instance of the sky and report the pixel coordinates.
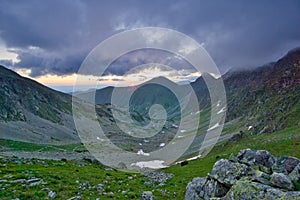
(48, 40)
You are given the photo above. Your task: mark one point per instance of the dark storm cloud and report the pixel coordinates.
(55, 36)
(136, 58)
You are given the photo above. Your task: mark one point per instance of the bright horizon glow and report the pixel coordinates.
(65, 83)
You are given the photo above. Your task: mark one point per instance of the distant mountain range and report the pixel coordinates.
(266, 98)
(263, 100)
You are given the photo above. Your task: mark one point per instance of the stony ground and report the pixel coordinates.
(85, 178)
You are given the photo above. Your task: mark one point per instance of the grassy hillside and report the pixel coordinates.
(65, 177)
(19, 95)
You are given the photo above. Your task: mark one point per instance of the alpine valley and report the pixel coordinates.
(42, 157)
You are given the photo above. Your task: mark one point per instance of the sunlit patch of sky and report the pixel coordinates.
(136, 76)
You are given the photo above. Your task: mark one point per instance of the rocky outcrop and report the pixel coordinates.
(252, 174)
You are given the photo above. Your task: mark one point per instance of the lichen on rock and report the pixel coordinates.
(253, 174)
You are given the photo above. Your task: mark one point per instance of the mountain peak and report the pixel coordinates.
(160, 79)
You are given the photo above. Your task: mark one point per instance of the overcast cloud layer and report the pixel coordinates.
(53, 37)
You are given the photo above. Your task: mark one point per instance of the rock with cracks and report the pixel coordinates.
(253, 174)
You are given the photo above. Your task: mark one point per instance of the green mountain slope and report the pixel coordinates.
(30, 111)
(266, 98)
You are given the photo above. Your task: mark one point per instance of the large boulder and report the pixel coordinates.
(228, 172)
(194, 189)
(259, 176)
(250, 175)
(295, 174)
(205, 188)
(282, 181)
(285, 164)
(247, 190)
(261, 159)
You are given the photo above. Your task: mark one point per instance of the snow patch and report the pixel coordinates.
(194, 158)
(162, 144)
(100, 139)
(174, 125)
(213, 127)
(222, 110)
(153, 164)
(141, 152)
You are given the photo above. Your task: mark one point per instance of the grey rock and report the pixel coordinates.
(232, 158)
(282, 181)
(194, 189)
(259, 176)
(237, 137)
(285, 164)
(205, 188)
(247, 190)
(122, 165)
(295, 174)
(47, 189)
(156, 177)
(75, 198)
(228, 172)
(51, 194)
(248, 176)
(34, 182)
(214, 189)
(100, 187)
(18, 181)
(147, 195)
(260, 158)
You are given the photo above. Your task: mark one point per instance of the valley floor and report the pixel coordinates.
(31, 178)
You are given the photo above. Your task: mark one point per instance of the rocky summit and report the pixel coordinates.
(252, 174)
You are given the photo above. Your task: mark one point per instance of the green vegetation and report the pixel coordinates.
(65, 178)
(25, 146)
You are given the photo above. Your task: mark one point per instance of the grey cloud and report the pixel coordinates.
(129, 62)
(102, 79)
(6, 62)
(118, 79)
(235, 33)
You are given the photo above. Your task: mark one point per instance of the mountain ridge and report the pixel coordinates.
(43, 114)
(260, 98)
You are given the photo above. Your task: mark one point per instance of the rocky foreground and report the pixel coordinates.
(251, 175)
